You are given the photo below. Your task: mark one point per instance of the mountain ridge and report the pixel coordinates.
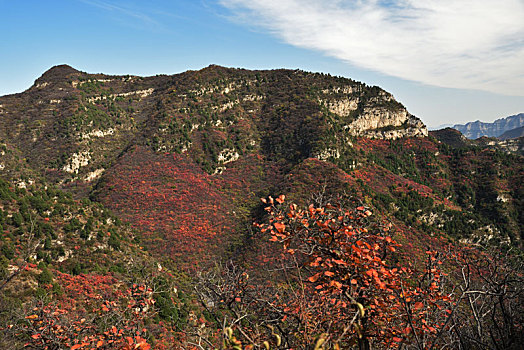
(512, 133)
(126, 101)
(75, 133)
(476, 129)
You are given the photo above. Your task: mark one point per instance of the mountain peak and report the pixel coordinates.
(215, 68)
(58, 72)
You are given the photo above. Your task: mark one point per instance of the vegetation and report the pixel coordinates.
(127, 207)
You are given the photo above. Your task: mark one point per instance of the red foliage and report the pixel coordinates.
(181, 210)
(95, 312)
(350, 281)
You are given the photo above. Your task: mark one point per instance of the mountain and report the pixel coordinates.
(455, 139)
(439, 127)
(70, 125)
(474, 130)
(167, 172)
(512, 134)
(158, 150)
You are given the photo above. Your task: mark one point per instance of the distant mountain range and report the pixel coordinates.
(474, 130)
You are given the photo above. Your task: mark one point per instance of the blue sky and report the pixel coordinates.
(447, 63)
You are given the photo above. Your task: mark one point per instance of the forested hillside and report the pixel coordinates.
(132, 217)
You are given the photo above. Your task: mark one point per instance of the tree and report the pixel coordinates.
(357, 291)
(342, 285)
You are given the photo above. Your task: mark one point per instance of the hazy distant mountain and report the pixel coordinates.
(439, 127)
(513, 133)
(478, 129)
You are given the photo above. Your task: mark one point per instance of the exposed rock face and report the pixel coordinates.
(141, 93)
(227, 156)
(329, 153)
(77, 161)
(378, 117)
(381, 123)
(513, 145)
(343, 107)
(478, 129)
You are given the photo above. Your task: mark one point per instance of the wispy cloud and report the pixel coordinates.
(471, 44)
(126, 11)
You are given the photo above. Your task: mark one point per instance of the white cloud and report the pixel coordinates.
(470, 44)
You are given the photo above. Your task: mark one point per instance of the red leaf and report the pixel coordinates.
(279, 227)
(371, 272)
(336, 284)
(314, 278)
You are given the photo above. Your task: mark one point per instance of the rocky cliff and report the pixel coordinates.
(478, 129)
(383, 124)
(380, 117)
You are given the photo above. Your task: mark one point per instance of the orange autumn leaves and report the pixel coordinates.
(96, 312)
(351, 279)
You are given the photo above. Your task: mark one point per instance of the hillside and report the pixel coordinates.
(70, 270)
(182, 161)
(474, 130)
(158, 150)
(80, 123)
(513, 133)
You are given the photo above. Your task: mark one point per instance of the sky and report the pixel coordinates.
(447, 61)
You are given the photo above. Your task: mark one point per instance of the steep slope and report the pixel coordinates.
(474, 130)
(185, 158)
(70, 271)
(512, 134)
(71, 125)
